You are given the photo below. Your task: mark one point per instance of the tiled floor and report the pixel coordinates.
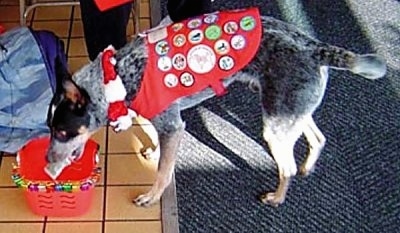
(125, 173)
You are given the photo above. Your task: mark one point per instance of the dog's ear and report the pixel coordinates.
(62, 74)
(73, 93)
(68, 88)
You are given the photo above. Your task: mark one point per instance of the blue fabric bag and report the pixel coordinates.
(27, 84)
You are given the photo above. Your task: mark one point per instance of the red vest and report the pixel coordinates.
(189, 56)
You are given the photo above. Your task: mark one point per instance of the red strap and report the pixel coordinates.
(104, 5)
(219, 88)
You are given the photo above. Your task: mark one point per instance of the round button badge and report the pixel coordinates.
(221, 47)
(195, 36)
(238, 42)
(170, 80)
(210, 19)
(213, 32)
(186, 79)
(177, 26)
(226, 63)
(231, 27)
(247, 23)
(164, 63)
(194, 23)
(179, 61)
(201, 59)
(162, 47)
(179, 40)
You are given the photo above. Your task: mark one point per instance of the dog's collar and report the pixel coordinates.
(119, 115)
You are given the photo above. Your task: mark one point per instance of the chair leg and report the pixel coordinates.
(22, 7)
(136, 16)
(25, 6)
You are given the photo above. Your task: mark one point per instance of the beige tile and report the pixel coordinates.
(78, 227)
(21, 228)
(121, 142)
(134, 227)
(77, 13)
(14, 206)
(60, 28)
(144, 24)
(119, 204)
(6, 171)
(130, 29)
(77, 29)
(140, 136)
(100, 138)
(133, 140)
(77, 48)
(144, 8)
(9, 13)
(95, 212)
(130, 169)
(53, 13)
(75, 63)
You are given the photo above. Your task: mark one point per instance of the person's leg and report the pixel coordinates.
(104, 28)
(181, 9)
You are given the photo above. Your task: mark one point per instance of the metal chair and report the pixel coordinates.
(26, 6)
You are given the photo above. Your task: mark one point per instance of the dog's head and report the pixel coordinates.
(68, 118)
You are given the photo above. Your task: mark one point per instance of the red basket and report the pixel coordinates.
(70, 195)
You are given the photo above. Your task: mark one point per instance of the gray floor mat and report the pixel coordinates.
(222, 167)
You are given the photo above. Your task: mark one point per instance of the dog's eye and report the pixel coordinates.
(63, 135)
(60, 135)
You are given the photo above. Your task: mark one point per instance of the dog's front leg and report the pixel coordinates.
(171, 130)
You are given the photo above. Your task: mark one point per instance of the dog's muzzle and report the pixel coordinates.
(59, 151)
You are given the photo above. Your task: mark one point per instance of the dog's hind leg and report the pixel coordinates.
(316, 141)
(170, 127)
(281, 135)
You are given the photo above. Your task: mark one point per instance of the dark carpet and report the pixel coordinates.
(222, 168)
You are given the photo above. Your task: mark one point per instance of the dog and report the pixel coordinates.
(289, 70)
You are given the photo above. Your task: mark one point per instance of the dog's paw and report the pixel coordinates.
(146, 200)
(272, 199)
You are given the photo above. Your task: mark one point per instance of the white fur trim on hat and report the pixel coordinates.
(114, 90)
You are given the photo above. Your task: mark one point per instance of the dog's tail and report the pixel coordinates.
(370, 66)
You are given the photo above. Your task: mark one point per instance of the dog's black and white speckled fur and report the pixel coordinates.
(290, 71)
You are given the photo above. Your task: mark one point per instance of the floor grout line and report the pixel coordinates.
(44, 224)
(21, 221)
(103, 223)
(80, 221)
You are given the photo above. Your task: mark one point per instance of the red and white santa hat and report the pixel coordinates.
(119, 114)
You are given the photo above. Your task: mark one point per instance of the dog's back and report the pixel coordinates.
(291, 68)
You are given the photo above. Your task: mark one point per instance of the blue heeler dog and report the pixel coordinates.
(289, 71)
